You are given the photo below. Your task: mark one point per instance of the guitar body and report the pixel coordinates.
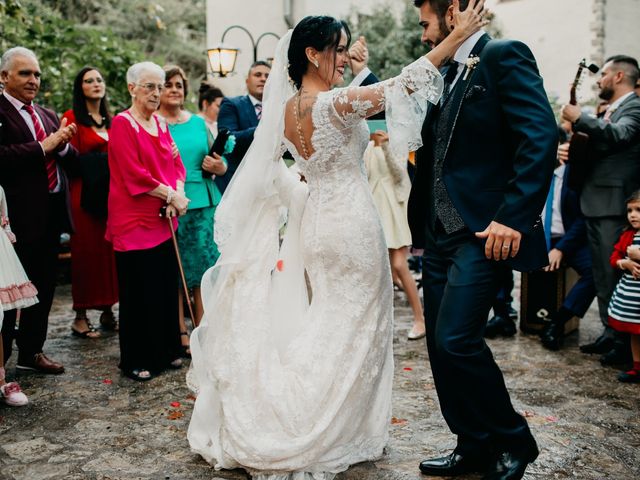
(579, 160)
(579, 143)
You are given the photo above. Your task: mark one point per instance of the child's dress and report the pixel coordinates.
(16, 291)
(624, 307)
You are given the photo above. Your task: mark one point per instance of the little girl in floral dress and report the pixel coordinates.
(16, 291)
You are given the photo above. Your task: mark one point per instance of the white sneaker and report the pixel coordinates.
(11, 394)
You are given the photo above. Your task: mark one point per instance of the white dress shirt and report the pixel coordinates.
(463, 52)
(557, 227)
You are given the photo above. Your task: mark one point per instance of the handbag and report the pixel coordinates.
(94, 170)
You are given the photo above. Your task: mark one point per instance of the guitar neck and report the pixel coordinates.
(574, 86)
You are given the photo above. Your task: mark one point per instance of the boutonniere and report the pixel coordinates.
(472, 62)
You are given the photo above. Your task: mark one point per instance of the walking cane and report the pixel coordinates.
(163, 213)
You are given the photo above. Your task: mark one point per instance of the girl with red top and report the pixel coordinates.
(624, 307)
(94, 283)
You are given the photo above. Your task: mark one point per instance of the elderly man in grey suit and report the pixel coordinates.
(613, 174)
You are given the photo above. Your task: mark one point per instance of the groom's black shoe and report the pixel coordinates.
(451, 465)
(511, 465)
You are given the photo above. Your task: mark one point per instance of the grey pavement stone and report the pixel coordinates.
(94, 424)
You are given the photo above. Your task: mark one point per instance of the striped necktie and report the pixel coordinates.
(50, 162)
(259, 110)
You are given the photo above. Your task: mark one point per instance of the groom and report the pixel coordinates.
(482, 178)
(481, 182)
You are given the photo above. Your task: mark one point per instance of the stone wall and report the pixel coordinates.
(621, 23)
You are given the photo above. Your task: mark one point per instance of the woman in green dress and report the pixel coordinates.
(195, 232)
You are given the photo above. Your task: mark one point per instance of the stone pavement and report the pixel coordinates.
(92, 423)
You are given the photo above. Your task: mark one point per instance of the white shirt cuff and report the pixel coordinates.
(358, 79)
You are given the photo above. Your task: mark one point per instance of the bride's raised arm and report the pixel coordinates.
(421, 77)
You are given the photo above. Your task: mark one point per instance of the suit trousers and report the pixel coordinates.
(460, 285)
(603, 233)
(39, 258)
(581, 295)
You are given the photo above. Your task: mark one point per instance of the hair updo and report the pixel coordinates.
(319, 32)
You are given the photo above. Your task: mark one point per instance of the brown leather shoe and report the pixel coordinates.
(42, 364)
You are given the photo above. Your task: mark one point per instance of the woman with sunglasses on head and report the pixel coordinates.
(146, 192)
(94, 285)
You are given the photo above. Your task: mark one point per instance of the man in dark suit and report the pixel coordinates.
(481, 182)
(566, 235)
(613, 174)
(240, 115)
(34, 150)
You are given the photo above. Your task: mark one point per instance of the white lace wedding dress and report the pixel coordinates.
(301, 389)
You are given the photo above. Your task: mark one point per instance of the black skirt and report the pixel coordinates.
(149, 330)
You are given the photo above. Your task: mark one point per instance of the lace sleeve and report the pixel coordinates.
(406, 104)
(404, 98)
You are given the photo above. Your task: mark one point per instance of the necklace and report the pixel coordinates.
(303, 144)
(96, 124)
(178, 119)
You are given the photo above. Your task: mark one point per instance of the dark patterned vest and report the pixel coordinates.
(441, 126)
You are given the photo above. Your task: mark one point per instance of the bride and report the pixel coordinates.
(293, 361)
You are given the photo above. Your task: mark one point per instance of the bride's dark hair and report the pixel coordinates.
(319, 32)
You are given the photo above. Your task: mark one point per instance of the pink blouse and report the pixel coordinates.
(138, 163)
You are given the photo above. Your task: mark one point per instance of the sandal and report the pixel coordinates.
(108, 321)
(186, 349)
(91, 332)
(138, 374)
(176, 364)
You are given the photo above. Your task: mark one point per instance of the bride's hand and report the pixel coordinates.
(469, 21)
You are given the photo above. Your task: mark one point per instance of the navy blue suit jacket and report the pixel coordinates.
(238, 115)
(500, 154)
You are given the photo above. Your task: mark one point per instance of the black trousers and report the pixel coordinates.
(603, 233)
(149, 330)
(39, 258)
(460, 285)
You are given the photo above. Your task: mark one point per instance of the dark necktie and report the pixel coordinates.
(258, 110)
(449, 77)
(50, 162)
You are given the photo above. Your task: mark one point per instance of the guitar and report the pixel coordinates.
(579, 143)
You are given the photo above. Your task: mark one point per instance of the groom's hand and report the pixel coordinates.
(502, 241)
(359, 55)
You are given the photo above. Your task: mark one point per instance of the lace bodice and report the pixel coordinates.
(339, 129)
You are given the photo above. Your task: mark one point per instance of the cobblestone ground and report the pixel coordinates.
(92, 423)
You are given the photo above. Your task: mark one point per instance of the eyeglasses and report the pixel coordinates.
(151, 87)
(90, 81)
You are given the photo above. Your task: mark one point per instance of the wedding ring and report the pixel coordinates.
(506, 247)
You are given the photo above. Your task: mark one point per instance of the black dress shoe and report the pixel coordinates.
(511, 465)
(601, 346)
(552, 337)
(499, 325)
(512, 312)
(452, 465)
(617, 356)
